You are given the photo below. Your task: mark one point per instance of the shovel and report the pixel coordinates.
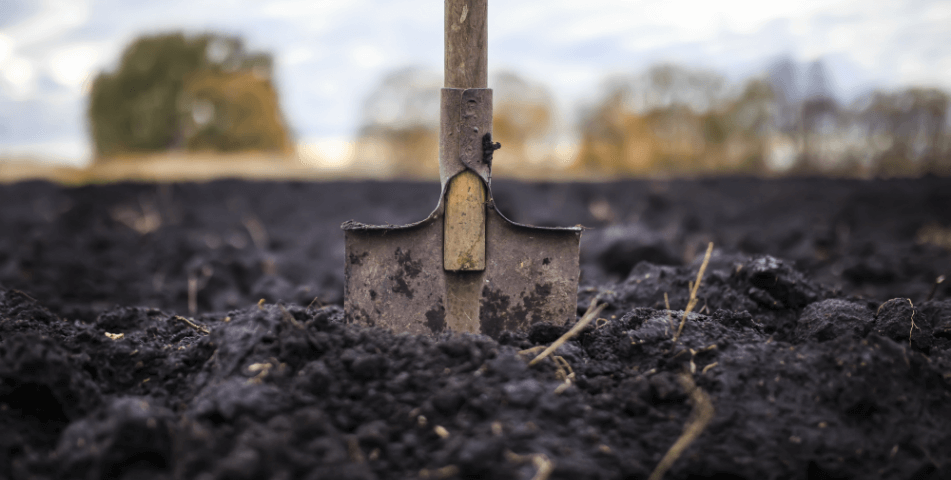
(465, 268)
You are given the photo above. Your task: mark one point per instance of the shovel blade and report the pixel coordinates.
(395, 278)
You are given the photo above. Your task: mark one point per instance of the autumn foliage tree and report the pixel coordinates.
(909, 131)
(399, 135)
(173, 91)
(676, 120)
(399, 132)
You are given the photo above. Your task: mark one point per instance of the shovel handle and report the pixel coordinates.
(466, 62)
(466, 57)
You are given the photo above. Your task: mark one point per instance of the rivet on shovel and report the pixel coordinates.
(466, 267)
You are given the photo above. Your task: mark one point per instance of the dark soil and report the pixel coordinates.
(133, 343)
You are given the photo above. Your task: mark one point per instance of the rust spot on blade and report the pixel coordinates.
(358, 259)
(532, 304)
(436, 318)
(494, 316)
(408, 268)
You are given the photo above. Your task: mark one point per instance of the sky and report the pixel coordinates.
(331, 54)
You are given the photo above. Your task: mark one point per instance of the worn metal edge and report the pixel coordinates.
(355, 226)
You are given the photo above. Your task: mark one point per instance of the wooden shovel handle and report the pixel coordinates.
(466, 62)
(466, 57)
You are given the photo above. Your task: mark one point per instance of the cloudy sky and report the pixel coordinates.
(331, 53)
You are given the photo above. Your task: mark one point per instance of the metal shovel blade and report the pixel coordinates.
(431, 276)
(395, 277)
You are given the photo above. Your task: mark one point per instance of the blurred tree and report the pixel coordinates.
(232, 111)
(820, 119)
(399, 133)
(615, 141)
(523, 116)
(783, 79)
(675, 120)
(197, 92)
(908, 132)
(742, 133)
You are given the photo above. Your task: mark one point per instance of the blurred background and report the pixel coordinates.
(102, 90)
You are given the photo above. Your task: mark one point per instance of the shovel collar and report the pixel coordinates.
(465, 126)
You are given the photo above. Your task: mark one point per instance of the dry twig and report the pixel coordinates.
(448, 471)
(289, 318)
(692, 302)
(192, 294)
(256, 229)
(200, 328)
(589, 315)
(543, 465)
(700, 416)
(528, 352)
(934, 287)
(670, 315)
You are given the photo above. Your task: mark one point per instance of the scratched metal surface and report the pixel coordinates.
(395, 278)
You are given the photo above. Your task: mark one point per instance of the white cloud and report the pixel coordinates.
(367, 56)
(20, 77)
(296, 56)
(6, 48)
(73, 66)
(55, 19)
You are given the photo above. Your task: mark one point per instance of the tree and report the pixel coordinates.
(745, 126)
(522, 118)
(666, 119)
(820, 117)
(399, 132)
(911, 129)
(173, 91)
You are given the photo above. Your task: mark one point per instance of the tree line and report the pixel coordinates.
(207, 92)
(677, 120)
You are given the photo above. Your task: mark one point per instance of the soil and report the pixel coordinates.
(134, 342)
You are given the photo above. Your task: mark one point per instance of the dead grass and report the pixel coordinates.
(173, 167)
(257, 232)
(589, 316)
(934, 234)
(694, 286)
(144, 218)
(200, 328)
(934, 287)
(700, 417)
(544, 466)
(702, 411)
